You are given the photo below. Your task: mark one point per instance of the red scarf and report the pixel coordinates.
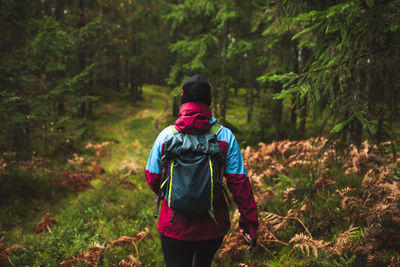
(193, 118)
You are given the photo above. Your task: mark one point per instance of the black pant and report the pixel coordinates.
(180, 253)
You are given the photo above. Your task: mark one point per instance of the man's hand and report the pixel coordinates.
(250, 242)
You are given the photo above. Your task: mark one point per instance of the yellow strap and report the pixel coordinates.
(162, 185)
(170, 184)
(212, 184)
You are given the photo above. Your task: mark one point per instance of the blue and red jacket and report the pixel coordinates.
(196, 118)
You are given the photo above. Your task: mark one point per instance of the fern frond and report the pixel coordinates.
(305, 243)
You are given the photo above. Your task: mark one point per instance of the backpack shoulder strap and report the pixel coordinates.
(215, 128)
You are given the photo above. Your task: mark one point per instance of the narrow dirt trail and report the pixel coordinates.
(163, 114)
(135, 127)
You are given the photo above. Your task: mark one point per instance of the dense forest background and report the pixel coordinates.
(333, 61)
(298, 70)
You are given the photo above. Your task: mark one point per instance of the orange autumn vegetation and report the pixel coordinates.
(370, 208)
(91, 257)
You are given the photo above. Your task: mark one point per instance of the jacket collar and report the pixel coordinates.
(194, 118)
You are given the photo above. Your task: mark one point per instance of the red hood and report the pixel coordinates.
(194, 118)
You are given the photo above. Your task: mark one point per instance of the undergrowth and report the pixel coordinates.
(96, 209)
(320, 210)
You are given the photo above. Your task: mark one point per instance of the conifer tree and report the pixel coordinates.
(353, 53)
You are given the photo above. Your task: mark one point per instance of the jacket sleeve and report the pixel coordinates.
(153, 167)
(239, 185)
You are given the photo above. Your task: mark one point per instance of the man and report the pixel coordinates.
(187, 240)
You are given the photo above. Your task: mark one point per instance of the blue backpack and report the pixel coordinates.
(192, 171)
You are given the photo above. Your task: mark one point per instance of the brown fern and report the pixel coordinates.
(130, 261)
(232, 246)
(99, 148)
(307, 243)
(344, 241)
(46, 221)
(5, 252)
(91, 257)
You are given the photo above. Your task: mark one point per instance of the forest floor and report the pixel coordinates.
(118, 203)
(96, 208)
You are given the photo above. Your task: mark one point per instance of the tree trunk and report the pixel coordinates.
(215, 99)
(225, 86)
(303, 116)
(258, 94)
(355, 128)
(140, 76)
(60, 106)
(175, 107)
(82, 110)
(277, 110)
(21, 138)
(126, 71)
(296, 69)
(355, 132)
(293, 108)
(224, 99)
(59, 10)
(250, 103)
(134, 90)
(304, 55)
(117, 78)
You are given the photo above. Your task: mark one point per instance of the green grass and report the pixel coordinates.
(97, 216)
(107, 211)
(236, 111)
